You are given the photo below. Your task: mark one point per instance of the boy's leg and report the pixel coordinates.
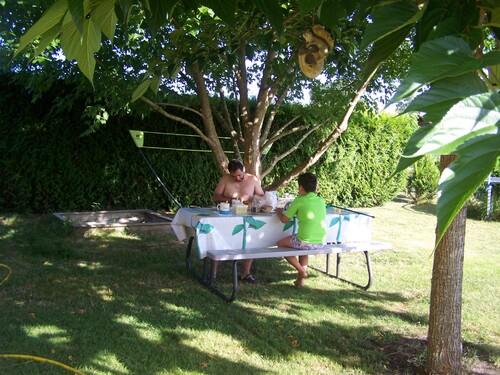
(302, 273)
(297, 264)
(304, 261)
(285, 242)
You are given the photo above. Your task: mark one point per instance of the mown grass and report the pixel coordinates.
(122, 304)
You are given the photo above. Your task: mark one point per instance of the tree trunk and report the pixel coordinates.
(444, 350)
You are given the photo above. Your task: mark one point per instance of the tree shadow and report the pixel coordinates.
(425, 208)
(85, 301)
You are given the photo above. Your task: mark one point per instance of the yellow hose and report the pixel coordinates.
(38, 359)
(8, 275)
(43, 360)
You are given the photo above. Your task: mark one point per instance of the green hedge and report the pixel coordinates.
(49, 166)
(356, 170)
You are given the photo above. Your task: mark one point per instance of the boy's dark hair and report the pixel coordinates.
(234, 165)
(308, 182)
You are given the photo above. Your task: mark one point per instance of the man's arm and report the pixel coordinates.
(257, 188)
(218, 195)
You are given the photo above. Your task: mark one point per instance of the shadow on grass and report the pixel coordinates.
(120, 305)
(426, 208)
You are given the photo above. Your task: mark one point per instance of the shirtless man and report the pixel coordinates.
(237, 184)
(243, 186)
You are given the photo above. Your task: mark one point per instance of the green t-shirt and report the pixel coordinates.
(311, 214)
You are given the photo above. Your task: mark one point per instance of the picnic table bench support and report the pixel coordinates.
(337, 270)
(205, 278)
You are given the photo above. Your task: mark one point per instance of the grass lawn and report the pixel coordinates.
(120, 304)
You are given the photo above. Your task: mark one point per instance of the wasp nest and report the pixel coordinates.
(312, 54)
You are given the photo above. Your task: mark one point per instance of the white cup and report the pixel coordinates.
(224, 208)
(235, 202)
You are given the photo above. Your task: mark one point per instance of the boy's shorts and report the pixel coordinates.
(298, 244)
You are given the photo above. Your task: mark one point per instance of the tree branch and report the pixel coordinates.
(182, 107)
(278, 133)
(164, 113)
(272, 115)
(289, 151)
(323, 146)
(241, 81)
(273, 140)
(208, 120)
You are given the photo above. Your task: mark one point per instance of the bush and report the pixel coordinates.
(356, 170)
(478, 205)
(49, 166)
(423, 180)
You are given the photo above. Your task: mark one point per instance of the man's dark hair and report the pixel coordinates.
(308, 182)
(234, 165)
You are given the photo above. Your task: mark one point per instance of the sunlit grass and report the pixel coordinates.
(115, 303)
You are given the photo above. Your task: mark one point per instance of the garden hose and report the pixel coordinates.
(38, 359)
(8, 274)
(43, 360)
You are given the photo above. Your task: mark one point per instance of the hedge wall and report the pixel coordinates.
(48, 166)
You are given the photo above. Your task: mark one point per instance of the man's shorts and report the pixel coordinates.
(298, 244)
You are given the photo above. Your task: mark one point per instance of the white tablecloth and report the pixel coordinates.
(214, 231)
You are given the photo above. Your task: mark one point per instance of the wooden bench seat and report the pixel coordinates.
(236, 255)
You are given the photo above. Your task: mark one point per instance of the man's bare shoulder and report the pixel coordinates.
(252, 177)
(226, 178)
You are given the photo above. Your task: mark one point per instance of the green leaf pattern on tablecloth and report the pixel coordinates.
(252, 223)
(339, 220)
(291, 224)
(238, 228)
(204, 228)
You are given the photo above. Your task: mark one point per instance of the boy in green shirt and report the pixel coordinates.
(311, 215)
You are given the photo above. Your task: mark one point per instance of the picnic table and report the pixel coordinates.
(234, 237)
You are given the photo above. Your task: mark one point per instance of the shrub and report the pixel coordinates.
(49, 166)
(356, 170)
(478, 205)
(423, 180)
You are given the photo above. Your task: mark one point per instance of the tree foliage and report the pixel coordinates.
(213, 50)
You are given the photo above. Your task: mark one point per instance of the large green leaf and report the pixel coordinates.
(77, 13)
(389, 18)
(472, 117)
(273, 12)
(491, 59)
(412, 147)
(444, 94)
(103, 14)
(81, 47)
(91, 43)
(463, 177)
(224, 9)
(160, 12)
(49, 19)
(70, 38)
(330, 12)
(437, 59)
(384, 48)
(494, 20)
(306, 6)
(141, 89)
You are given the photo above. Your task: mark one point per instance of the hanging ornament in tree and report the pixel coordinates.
(312, 54)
